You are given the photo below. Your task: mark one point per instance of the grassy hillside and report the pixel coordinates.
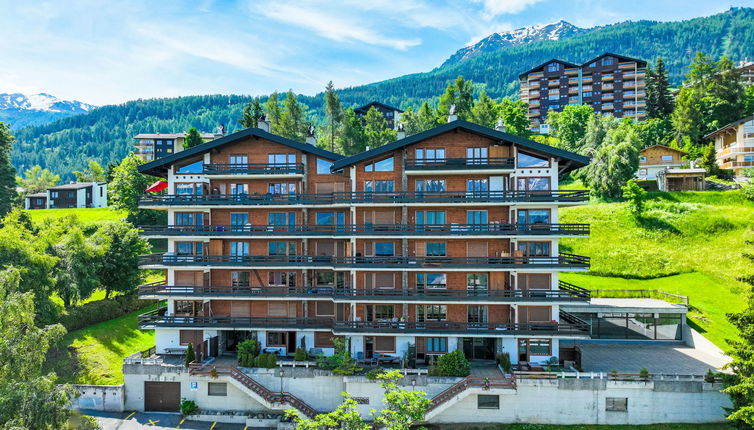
(85, 215)
(687, 243)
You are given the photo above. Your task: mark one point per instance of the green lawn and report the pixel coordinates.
(716, 426)
(687, 243)
(85, 215)
(94, 355)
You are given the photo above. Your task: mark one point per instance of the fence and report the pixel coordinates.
(642, 294)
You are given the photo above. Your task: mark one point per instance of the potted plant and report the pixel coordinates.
(614, 374)
(644, 374)
(487, 384)
(213, 373)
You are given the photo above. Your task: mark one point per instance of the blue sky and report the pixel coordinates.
(110, 51)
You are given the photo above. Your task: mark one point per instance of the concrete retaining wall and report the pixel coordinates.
(110, 398)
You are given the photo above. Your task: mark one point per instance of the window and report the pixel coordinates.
(534, 249)
(487, 401)
(616, 404)
(437, 344)
(379, 312)
(476, 314)
(430, 185)
(276, 339)
(533, 184)
(430, 218)
(667, 158)
(477, 186)
(186, 307)
(239, 219)
(430, 155)
(431, 313)
(524, 160)
(385, 165)
(587, 94)
(476, 217)
(607, 61)
(281, 279)
(325, 279)
(281, 160)
(436, 249)
(479, 154)
(553, 67)
(323, 166)
(217, 389)
(240, 279)
(379, 186)
(384, 249)
(188, 218)
(533, 216)
(384, 343)
(54, 194)
(281, 218)
(182, 188)
(239, 189)
(281, 248)
(189, 248)
(239, 250)
(643, 159)
(196, 167)
(642, 172)
(432, 281)
(477, 281)
(237, 160)
(540, 347)
(325, 309)
(190, 336)
(281, 189)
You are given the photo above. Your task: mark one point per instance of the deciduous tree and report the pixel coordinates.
(614, 163)
(121, 246)
(93, 173)
(8, 195)
(37, 179)
(126, 188)
(514, 117)
(569, 125)
(376, 130)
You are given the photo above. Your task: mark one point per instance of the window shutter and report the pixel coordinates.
(535, 281)
(421, 248)
(384, 343)
(239, 308)
(384, 217)
(324, 187)
(369, 280)
(277, 309)
(384, 280)
(476, 249)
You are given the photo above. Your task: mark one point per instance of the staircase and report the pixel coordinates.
(471, 382)
(271, 398)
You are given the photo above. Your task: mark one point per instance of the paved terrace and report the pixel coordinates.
(667, 358)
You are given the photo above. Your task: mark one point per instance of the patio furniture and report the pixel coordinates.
(376, 358)
(387, 359)
(359, 358)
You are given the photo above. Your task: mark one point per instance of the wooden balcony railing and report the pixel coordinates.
(561, 261)
(348, 198)
(497, 229)
(459, 163)
(254, 169)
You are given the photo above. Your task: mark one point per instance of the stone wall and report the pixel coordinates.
(109, 398)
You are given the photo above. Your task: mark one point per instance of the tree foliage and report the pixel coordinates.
(292, 123)
(119, 266)
(126, 188)
(570, 125)
(36, 179)
(93, 173)
(376, 130)
(252, 113)
(659, 101)
(192, 139)
(615, 161)
(458, 93)
(334, 113)
(635, 196)
(8, 194)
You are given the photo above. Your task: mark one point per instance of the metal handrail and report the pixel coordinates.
(347, 198)
(459, 163)
(253, 168)
(563, 260)
(470, 382)
(368, 229)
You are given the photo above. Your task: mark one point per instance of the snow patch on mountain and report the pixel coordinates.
(41, 102)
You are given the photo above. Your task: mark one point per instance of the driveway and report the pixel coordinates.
(153, 420)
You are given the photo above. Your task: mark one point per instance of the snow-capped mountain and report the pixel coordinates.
(522, 36)
(42, 102)
(21, 110)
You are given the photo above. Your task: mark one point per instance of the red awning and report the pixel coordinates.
(157, 187)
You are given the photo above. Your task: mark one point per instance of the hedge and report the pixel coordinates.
(95, 312)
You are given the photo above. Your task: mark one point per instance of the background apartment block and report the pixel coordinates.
(151, 146)
(610, 83)
(734, 145)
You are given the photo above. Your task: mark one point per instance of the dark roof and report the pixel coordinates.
(727, 126)
(664, 146)
(75, 185)
(37, 195)
(620, 57)
(554, 60)
(159, 167)
(575, 160)
(365, 108)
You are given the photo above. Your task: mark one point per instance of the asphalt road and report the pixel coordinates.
(154, 420)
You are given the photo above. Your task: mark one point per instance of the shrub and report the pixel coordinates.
(300, 355)
(98, 311)
(189, 356)
(189, 407)
(635, 196)
(710, 376)
(505, 362)
(748, 192)
(372, 374)
(644, 374)
(266, 361)
(247, 351)
(453, 364)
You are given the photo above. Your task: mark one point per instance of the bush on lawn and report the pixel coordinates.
(247, 352)
(101, 310)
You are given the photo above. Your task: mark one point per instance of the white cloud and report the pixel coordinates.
(502, 7)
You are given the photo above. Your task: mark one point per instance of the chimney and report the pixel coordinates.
(452, 113)
(311, 139)
(499, 126)
(400, 133)
(263, 123)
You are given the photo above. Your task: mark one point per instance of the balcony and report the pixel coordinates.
(572, 71)
(736, 164)
(734, 149)
(158, 318)
(463, 165)
(254, 169)
(366, 230)
(562, 262)
(633, 84)
(628, 65)
(364, 198)
(566, 293)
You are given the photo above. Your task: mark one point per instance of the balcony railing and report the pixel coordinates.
(157, 318)
(254, 169)
(495, 229)
(347, 198)
(566, 292)
(561, 261)
(459, 163)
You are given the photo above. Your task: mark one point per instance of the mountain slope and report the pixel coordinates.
(105, 133)
(522, 36)
(21, 110)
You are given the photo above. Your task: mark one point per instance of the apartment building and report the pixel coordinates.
(610, 83)
(392, 114)
(151, 146)
(734, 145)
(444, 240)
(747, 71)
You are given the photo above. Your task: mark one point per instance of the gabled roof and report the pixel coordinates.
(173, 135)
(734, 124)
(160, 166)
(75, 185)
(366, 107)
(641, 63)
(665, 147)
(574, 160)
(554, 60)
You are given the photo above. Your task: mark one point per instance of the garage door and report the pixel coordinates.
(162, 396)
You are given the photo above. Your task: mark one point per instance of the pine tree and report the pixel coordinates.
(659, 99)
(376, 129)
(8, 195)
(351, 138)
(459, 94)
(274, 112)
(334, 112)
(252, 112)
(292, 123)
(485, 111)
(189, 357)
(192, 139)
